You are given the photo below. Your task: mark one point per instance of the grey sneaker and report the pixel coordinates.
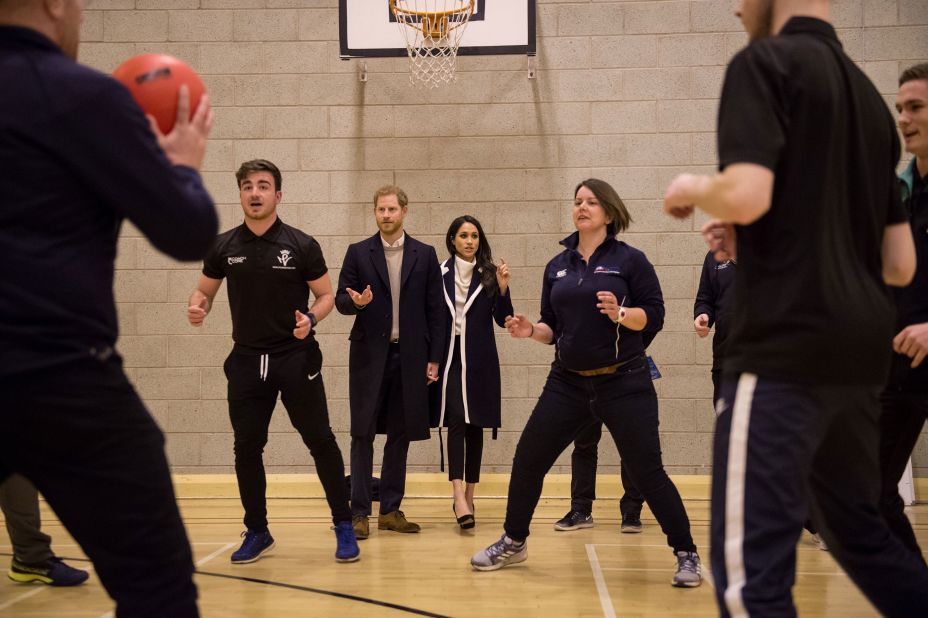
(631, 523)
(689, 571)
(501, 553)
(574, 520)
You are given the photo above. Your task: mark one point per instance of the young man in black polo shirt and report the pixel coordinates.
(807, 155)
(271, 268)
(905, 400)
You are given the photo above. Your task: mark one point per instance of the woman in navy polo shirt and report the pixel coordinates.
(597, 297)
(467, 397)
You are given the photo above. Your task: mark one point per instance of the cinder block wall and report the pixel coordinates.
(626, 91)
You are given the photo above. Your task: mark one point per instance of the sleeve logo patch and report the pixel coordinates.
(236, 260)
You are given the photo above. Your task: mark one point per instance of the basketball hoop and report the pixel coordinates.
(432, 30)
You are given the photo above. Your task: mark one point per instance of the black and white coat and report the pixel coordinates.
(480, 375)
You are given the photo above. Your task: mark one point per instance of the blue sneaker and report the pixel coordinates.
(255, 545)
(347, 548)
(53, 572)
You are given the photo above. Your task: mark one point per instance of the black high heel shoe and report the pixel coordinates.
(465, 521)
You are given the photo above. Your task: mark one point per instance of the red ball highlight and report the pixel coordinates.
(155, 80)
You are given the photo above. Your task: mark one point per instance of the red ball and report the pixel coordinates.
(155, 80)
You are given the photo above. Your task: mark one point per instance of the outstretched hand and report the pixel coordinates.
(519, 326)
(362, 299)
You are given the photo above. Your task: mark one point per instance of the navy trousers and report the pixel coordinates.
(627, 404)
(83, 437)
(783, 450)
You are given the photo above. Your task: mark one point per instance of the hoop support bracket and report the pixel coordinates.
(532, 68)
(362, 71)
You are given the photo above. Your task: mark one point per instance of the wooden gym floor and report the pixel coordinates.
(593, 572)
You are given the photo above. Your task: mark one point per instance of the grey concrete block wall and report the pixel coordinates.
(626, 91)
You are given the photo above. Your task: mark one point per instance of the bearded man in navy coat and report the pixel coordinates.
(392, 284)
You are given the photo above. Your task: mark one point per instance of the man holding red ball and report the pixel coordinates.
(80, 158)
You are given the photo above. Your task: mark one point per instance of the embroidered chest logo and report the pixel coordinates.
(561, 273)
(284, 258)
(607, 270)
(723, 265)
(236, 260)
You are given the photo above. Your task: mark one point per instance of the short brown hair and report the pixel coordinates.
(610, 201)
(918, 71)
(391, 190)
(258, 165)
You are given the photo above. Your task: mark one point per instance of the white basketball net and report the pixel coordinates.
(433, 30)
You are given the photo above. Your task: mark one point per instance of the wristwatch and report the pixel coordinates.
(312, 321)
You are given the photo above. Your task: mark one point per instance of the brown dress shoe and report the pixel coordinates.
(397, 522)
(362, 528)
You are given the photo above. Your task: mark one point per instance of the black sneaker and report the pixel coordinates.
(574, 520)
(631, 523)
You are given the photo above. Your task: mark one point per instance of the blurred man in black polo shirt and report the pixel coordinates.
(807, 153)
(271, 268)
(905, 400)
(80, 158)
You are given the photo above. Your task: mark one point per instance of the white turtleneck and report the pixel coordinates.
(463, 272)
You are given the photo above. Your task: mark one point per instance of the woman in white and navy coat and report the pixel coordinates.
(466, 398)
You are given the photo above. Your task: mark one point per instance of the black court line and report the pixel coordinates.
(340, 595)
(267, 582)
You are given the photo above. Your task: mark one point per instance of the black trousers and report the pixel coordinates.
(783, 449)
(901, 423)
(627, 404)
(83, 437)
(583, 463)
(393, 469)
(254, 382)
(19, 501)
(465, 441)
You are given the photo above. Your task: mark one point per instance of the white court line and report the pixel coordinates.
(222, 549)
(604, 600)
(24, 596)
(200, 563)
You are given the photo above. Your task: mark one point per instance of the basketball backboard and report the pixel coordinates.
(367, 29)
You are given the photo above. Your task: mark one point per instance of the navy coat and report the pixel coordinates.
(479, 358)
(422, 330)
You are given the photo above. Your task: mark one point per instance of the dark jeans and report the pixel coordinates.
(901, 423)
(465, 441)
(83, 437)
(781, 450)
(254, 382)
(627, 404)
(19, 501)
(393, 469)
(583, 462)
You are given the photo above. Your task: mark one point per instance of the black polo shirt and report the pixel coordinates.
(79, 158)
(912, 300)
(810, 304)
(268, 277)
(713, 298)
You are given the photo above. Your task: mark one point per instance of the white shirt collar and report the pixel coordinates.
(399, 241)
